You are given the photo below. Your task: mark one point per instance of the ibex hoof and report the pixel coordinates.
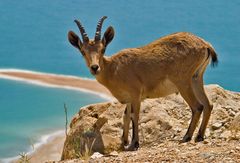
(124, 144)
(199, 138)
(132, 147)
(185, 139)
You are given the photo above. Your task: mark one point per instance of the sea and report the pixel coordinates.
(34, 38)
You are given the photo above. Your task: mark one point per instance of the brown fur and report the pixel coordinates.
(174, 63)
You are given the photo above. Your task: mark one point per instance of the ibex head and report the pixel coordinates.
(94, 49)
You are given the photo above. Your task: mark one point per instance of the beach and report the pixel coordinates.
(54, 80)
(51, 146)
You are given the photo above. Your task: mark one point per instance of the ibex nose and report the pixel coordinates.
(94, 68)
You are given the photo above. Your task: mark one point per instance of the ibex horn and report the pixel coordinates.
(82, 31)
(99, 28)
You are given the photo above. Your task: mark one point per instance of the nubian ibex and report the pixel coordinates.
(174, 63)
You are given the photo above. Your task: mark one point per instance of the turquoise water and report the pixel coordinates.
(34, 37)
(34, 32)
(29, 111)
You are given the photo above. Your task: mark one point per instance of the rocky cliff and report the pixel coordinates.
(163, 122)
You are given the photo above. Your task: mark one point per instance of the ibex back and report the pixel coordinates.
(171, 64)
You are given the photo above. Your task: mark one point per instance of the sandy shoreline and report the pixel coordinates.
(54, 80)
(53, 148)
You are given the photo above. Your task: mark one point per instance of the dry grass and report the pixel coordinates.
(87, 152)
(66, 118)
(24, 158)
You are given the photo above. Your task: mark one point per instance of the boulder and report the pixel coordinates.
(98, 127)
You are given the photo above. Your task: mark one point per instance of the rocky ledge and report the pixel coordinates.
(163, 122)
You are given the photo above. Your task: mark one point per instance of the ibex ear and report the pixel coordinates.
(108, 36)
(74, 40)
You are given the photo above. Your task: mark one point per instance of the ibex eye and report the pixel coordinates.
(103, 51)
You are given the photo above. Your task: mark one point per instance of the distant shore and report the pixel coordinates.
(52, 148)
(55, 80)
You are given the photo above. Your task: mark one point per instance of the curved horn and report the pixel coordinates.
(99, 28)
(82, 31)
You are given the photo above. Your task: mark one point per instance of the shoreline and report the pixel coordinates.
(44, 142)
(56, 81)
(49, 147)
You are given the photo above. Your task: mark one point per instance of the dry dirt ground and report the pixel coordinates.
(172, 151)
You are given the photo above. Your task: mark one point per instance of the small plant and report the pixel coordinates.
(87, 151)
(66, 119)
(24, 158)
(84, 144)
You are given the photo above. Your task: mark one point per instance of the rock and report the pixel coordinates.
(216, 125)
(206, 155)
(94, 128)
(206, 141)
(114, 153)
(207, 132)
(226, 134)
(98, 127)
(96, 155)
(232, 113)
(211, 158)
